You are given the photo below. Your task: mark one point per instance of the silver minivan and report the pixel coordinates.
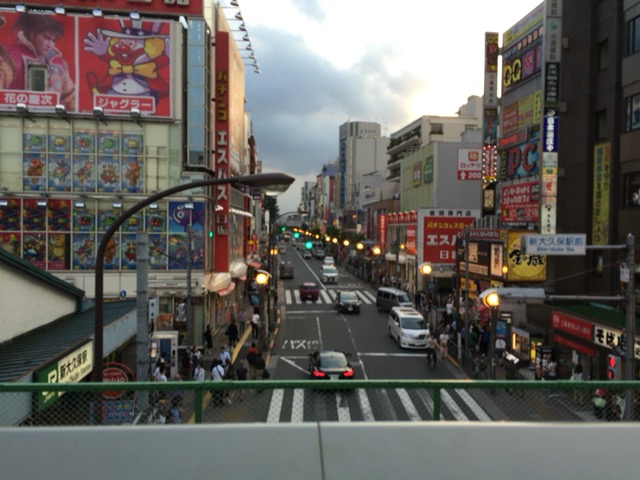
(388, 297)
(408, 327)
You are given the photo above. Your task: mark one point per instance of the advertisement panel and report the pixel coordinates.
(166, 7)
(469, 164)
(115, 64)
(523, 267)
(222, 192)
(520, 160)
(438, 231)
(601, 193)
(519, 204)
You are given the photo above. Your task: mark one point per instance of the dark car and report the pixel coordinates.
(286, 270)
(309, 291)
(330, 365)
(347, 301)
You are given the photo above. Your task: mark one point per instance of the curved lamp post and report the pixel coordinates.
(277, 181)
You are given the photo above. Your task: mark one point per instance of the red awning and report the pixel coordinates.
(254, 264)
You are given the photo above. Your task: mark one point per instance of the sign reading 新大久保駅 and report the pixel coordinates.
(564, 244)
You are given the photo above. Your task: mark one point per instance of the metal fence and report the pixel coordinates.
(272, 401)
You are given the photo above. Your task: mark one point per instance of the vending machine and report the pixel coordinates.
(165, 342)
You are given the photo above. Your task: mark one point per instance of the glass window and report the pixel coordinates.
(633, 112)
(603, 52)
(601, 124)
(633, 35)
(38, 78)
(437, 129)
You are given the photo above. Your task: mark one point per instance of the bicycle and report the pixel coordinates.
(431, 358)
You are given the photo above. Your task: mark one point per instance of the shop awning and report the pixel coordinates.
(217, 281)
(237, 268)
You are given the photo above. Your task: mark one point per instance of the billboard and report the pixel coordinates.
(155, 7)
(438, 231)
(84, 62)
(519, 205)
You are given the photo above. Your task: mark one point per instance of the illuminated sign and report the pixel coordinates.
(519, 204)
(469, 164)
(520, 160)
(438, 232)
(601, 193)
(167, 7)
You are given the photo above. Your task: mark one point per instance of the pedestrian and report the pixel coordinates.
(173, 416)
(242, 320)
(252, 354)
(443, 344)
(260, 366)
(577, 376)
(162, 362)
(217, 375)
(255, 324)
(500, 347)
(232, 334)
(241, 375)
(208, 339)
(224, 356)
(198, 374)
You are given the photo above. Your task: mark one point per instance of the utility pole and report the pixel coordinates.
(142, 315)
(630, 327)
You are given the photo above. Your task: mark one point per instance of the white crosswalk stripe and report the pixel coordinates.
(327, 297)
(401, 404)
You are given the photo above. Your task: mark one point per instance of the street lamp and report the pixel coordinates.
(269, 180)
(423, 269)
(491, 298)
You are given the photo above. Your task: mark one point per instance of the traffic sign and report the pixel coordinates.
(560, 244)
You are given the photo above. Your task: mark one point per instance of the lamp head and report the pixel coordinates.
(490, 297)
(425, 268)
(262, 277)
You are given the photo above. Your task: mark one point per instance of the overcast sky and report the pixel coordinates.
(327, 62)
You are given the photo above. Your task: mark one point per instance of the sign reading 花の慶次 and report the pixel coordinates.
(562, 244)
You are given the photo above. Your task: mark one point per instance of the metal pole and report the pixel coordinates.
(630, 334)
(492, 342)
(191, 340)
(142, 309)
(466, 289)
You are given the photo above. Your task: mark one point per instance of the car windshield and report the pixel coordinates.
(309, 286)
(330, 270)
(412, 323)
(348, 296)
(333, 360)
(404, 298)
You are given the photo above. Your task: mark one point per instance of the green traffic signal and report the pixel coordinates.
(308, 245)
(296, 235)
(283, 228)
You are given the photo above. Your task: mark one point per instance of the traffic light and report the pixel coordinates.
(296, 235)
(308, 245)
(283, 228)
(614, 370)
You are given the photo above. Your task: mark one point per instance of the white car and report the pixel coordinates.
(329, 274)
(328, 261)
(408, 327)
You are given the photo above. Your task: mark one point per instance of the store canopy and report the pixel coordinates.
(217, 281)
(227, 290)
(237, 269)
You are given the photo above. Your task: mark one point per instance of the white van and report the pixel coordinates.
(387, 298)
(408, 327)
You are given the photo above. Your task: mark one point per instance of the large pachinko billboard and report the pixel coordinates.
(84, 62)
(438, 230)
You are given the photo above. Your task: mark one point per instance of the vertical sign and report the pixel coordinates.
(221, 192)
(601, 193)
(490, 107)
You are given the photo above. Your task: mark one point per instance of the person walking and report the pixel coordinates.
(217, 375)
(260, 366)
(208, 339)
(252, 354)
(577, 376)
(232, 334)
(241, 375)
(224, 356)
(255, 324)
(242, 320)
(443, 344)
(198, 374)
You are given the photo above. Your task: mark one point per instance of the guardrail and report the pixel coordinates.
(273, 401)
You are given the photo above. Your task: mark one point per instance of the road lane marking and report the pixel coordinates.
(408, 405)
(365, 406)
(276, 406)
(453, 407)
(473, 405)
(297, 409)
(344, 415)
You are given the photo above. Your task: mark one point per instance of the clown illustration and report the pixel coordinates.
(134, 57)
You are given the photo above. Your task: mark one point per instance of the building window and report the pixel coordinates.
(632, 190)
(601, 124)
(632, 120)
(633, 35)
(437, 129)
(603, 55)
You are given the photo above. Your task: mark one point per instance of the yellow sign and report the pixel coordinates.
(601, 194)
(523, 267)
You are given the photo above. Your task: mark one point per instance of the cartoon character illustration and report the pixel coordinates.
(130, 252)
(56, 250)
(35, 168)
(132, 173)
(110, 252)
(135, 56)
(187, 216)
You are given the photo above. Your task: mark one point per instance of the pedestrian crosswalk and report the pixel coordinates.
(372, 405)
(292, 297)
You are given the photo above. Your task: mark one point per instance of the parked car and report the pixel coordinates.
(309, 291)
(282, 250)
(408, 327)
(328, 260)
(306, 254)
(330, 365)
(329, 274)
(286, 270)
(319, 254)
(347, 301)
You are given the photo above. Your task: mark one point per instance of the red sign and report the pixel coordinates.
(382, 229)
(572, 325)
(439, 234)
(576, 346)
(410, 246)
(222, 192)
(519, 203)
(170, 7)
(114, 373)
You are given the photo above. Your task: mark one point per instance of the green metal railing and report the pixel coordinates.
(306, 400)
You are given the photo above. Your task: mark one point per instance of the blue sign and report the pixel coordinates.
(550, 133)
